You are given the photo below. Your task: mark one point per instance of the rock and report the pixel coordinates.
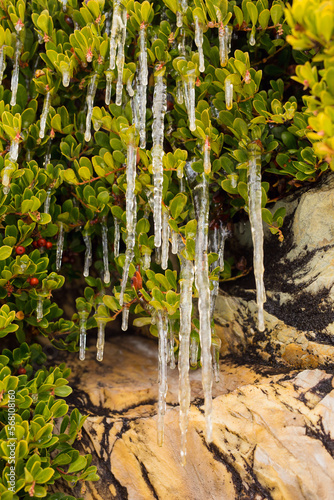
(299, 281)
(272, 431)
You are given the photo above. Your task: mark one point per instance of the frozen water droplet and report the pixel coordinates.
(66, 78)
(252, 40)
(47, 201)
(125, 318)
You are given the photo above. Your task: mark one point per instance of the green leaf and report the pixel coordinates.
(5, 252)
(177, 205)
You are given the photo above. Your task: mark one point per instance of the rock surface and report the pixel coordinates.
(272, 430)
(299, 281)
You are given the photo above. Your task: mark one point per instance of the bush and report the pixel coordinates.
(106, 202)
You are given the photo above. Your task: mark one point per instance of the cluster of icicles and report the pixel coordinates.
(192, 273)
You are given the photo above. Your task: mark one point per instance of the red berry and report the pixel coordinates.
(21, 371)
(41, 242)
(34, 244)
(34, 281)
(20, 250)
(48, 244)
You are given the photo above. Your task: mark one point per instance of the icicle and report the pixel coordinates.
(108, 87)
(125, 318)
(224, 234)
(91, 91)
(142, 87)
(47, 159)
(206, 156)
(175, 242)
(214, 248)
(179, 20)
(120, 59)
(158, 255)
(199, 43)
(171, 344)
(47, 201)
(115, 33)
(252, 40)
(16, 70)
(159, 110)
(106, 273)
(2, 64)
(215, 358)
(129, 88)
(189, 98)
(39, 308)
(14, 150)
(107, 21)
(131, 211)
(66, 77)
(135, 109)
(117, 237)
(184, 6)
(255, 217)
(179, 92)
(165, 240)
(88, 253)
(193, 352)
(60, 246)
(182, 43)
(228, 35)
(162, 332)
(222, 45)
(100, 339)
(83, 315)
(186, 285)
(146, 261)
(228, 93)
(203, 289)
(6, 180)
(44, 115)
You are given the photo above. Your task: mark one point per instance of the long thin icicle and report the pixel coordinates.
(171, 345)
(60, 246)
(159, 110)
(199, 43)
(91, 91)
(39, 309)
(255, 217)
(117, 237)
(2, 63)
(105, 253)
(186, 285)
(6, 180)
(120, 59)
(45, 113)
(206, 156)
(203, 288)
(214, 248)
(16, 70)
(47, 201)
(88, 254)
(228, 92)
(162, 326)
(189, 98)
(142, 85)
(131, 210)
(100, 339)
(165, 240)
(83, 316)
